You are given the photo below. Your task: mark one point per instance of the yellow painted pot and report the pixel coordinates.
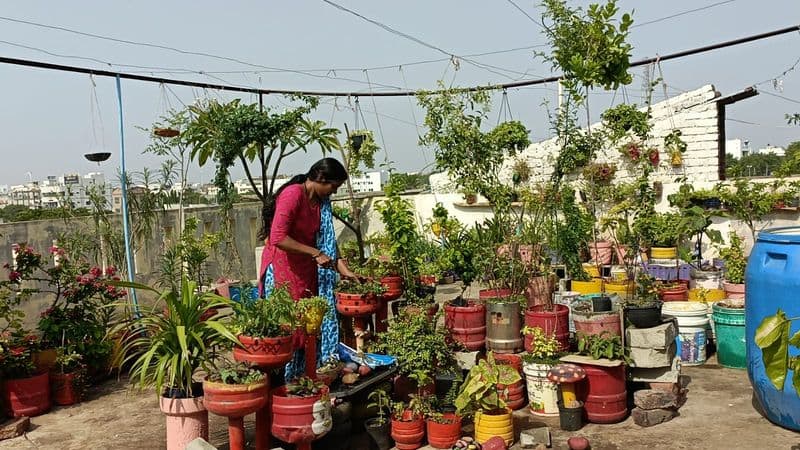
(587, 287)
(494, 423)
(592, 270)
(624, 290)
(706, 295)
(664, 252)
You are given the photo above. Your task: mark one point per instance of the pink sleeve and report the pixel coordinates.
(286, 207)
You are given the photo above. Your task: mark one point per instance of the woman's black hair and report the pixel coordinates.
(326, 170)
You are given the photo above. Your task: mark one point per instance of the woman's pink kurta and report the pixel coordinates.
(297, 218)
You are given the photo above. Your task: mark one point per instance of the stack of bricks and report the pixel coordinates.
(652, 351)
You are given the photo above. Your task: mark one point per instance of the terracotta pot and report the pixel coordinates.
(300, 420)
(393, 286)
(467, 324)
(485, 294)
(187, 420)
(27, 396)
(444, 435)
(427, 280)
(354, 305)
(235, 400)
(264, 352)
(64, 389)
(403, 386)
(674, 294)
(601, 252)
(408, 433)
(733, 290)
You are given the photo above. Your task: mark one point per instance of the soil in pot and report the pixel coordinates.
(644, 316)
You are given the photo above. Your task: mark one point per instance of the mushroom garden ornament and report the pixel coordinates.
(566, 375)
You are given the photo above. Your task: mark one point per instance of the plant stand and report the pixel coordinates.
(235, 402)
(360, 308)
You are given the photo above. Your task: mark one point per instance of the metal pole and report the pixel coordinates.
(125, 224)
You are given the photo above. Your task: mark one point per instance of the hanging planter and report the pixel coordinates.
(166, 132)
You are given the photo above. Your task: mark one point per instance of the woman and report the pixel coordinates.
(300, 248)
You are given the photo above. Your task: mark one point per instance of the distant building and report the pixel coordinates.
(737, 147)
(116, 196)
(243, 186)
(27, 194)
(778, 151)
(370, 181)
(74, 189)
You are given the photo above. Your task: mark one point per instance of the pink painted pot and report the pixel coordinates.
(187, 420)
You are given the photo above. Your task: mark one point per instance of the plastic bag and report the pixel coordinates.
(372, 360)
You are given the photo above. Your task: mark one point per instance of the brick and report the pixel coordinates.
(672, 388)
(495, 443)
(14, 427)
(648, 418)
(532, 437)
(653, 357)
(657, 375)
(660, 337)
(654, 399)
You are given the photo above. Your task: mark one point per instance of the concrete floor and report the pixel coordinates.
(718, 415)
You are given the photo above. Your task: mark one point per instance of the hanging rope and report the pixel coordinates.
(94, 114)
(377, 119)
(505, 109)
(357, 111)
(664, 85)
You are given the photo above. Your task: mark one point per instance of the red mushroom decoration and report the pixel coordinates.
(566, 375)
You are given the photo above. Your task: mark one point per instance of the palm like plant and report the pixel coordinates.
(169, 342)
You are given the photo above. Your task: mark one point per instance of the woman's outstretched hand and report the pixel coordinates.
(323, 260)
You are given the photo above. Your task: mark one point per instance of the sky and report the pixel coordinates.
(49, 119)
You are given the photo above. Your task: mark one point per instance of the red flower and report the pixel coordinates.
(17, 351)
(14, 276)
(96, 272)
(653, 157)
(111, 270)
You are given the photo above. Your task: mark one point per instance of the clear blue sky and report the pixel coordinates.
(46, 118)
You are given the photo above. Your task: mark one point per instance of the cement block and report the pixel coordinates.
(658, 337)
(648, 418)
(653, 357)
(654, 399)
(199, 444)
(659, 374)
(532, 437)
(466, 360)
(14, 427)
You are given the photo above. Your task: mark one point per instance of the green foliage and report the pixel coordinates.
(623, 119)
(364, 154)
(400, 226)
(604, 345)
(187, 255)
(359, 287)
(772, 337)
(236, 373)
(274, 316)
(167, 343)
(304, 387)
(577, 151)
(544, 348)
(17, 347)
(588, 46)
(735, 259)
(419, 345)
(573, 230)
(673, 143)
(750, 202)
(479, 390)
(760, 164)
(380, 400)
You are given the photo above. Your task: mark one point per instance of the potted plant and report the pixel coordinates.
(644, 309)
(378, 427)
(478, 397)
(26, 391)
(675, 147)
(442, 427)
(357, 298)
(735, 264)
(175, 345)
(543, 352)
(264, 328)
(470, 196)
(234, 391)
(68, 379)
(422, 348)
(466, 322)
(408, 423)
(606, 396)
(301, 411)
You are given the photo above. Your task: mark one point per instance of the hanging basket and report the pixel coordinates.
(97, 157)
(356, 140)
(166, 132)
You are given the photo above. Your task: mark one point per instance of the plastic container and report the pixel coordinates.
(587, 287)
(570, 419)
(771, 281)
(503, 327)
(692, 327)
(27, 396)
(606, 393)
(731, 346)
(467, 324)
(551, 322)
(566, 298)
(542, 393)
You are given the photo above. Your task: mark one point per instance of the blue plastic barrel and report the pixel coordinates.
(772, 281)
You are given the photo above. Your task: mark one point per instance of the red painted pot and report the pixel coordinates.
(467, 324)
(554, 322)
(509, 359)
(485, 294)
(513, 395)
(403, 386)
(354, 305)
(674, 294)
(235, 400)
(444, 435)
(605, 393)
(408, 433)
(393, 286)
(28, 396)
(733, 290)
(63, 389)
(264, 352)
(300, 419)
(427, 280)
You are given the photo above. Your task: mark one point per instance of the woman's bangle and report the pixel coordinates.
(319, 253)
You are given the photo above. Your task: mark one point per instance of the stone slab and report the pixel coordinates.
(654, 399)
(659, 374)
(648, 418)
(466, 360)
(199, 444)
(653, 357)
(532, 437)
(602, 362)
(14, 427)
(658, 337)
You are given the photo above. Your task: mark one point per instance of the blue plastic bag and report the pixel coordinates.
(372, 360)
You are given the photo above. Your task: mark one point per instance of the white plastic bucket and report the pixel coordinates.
(542, 393)
(693, 323)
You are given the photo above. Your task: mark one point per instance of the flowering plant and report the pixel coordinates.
(16, 353)
(601, 173)
(80, 311)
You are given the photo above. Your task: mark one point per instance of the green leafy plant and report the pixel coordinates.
(304, 387)
(419, 345)
(17, 347)
(236, 373)
(311, 311)
(360, 287)
(623, 119)
(604, 345)
(362, 147)
(544, 348)
(773, 338)
(380, 400)
(274, 316)
(675, 145)
(169, 342)
(735, 259)
(479, 390)
(749, 202)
